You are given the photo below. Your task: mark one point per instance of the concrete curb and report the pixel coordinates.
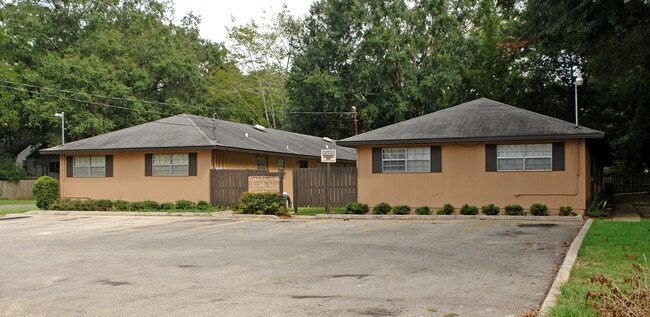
(447, 217)
(565, 270)
(220, 214)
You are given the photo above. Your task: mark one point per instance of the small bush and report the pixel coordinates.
(357, 208)
(381, 209)
(150, 205)
(121, 205)
(468, 210)
(402, 210)
(490, 209)
(514, 210)
(597, 208)
(447, 209)
(538, 210)
(45, 191)
(61, 204)
(9, 171)
(566, 211)
(263, 203)
(167, 206)
(203, 205)
(424, 210)
(137, 206)
(182, 204)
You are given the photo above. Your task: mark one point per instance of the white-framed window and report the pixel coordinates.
(410, 159)
(171, 165)
(261, 163)
(525, 157)
(89, 166)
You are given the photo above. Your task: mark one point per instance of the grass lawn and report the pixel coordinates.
(312, 211)
(4, 201)
(16, 210)
(609, 249)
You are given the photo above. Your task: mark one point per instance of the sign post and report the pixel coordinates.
(327, 156)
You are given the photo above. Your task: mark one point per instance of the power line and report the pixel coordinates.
(320, 112)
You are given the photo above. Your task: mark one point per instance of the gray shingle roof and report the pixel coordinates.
(478, 120)
(189, 131)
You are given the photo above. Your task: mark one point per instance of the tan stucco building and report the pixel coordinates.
(171, 159)
(480, 152)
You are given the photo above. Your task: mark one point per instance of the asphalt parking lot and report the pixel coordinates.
(195, 266)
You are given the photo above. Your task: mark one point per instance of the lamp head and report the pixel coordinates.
(579, 79)
(58, 114)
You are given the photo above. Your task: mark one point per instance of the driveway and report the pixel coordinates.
(180, 266)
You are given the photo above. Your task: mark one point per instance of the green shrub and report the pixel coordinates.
(61, 204)
(597, 208)
(538, 210)
(402, 210)
(103, 205)
(167, 206)
(121, 205)
(566, 211)
(490, 209)
(514, 210)
(203, 205)
(9, 171)
(150, 205)
(137, 206)
(183, 204)
(45, 191)
(424, 210)
(447, 209)
(357, 208)
(468, 210)
(263, 203)
(381, 209)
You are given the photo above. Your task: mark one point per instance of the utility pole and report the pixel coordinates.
(62, 115)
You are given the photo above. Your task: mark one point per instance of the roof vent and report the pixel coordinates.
(328, 140)
(259, 127)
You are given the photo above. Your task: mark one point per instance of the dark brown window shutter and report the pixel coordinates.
(376, 160)
(109, 166)
(490, 157)
(192, 164)
(68, 166)
(558, 156)
(148, 162)
(436, 159)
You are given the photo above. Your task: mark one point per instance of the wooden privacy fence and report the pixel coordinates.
(227, 185)
(309, 186)
(16, 189)
(628, 184)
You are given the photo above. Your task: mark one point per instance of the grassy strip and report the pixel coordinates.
(610, 248)
(17, 210)
(312, 211)
(4, 201)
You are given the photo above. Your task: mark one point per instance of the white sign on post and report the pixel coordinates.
(327, 156)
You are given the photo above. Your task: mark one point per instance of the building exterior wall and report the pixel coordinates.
(464, 180)
(130, 183)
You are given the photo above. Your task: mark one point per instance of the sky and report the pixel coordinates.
(216, 14)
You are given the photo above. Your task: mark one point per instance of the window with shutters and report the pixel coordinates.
(170, 165)
(525, 157)
(402, 160)
(89, 166)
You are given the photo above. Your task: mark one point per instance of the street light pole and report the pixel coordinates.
(578, 82)
(62, 115)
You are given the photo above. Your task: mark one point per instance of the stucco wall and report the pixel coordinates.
(464, 180)
(129, 183)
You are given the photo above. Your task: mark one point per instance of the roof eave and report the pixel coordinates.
(350, 143)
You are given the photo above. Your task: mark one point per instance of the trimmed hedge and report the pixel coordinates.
(121, 205)
(424, 210)
(381, 209)
(402, 210)
(490, 209)
(357, 208)
(263, 203)
(538, 210)
(468, 210)
(45, 191)
(514, 210)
